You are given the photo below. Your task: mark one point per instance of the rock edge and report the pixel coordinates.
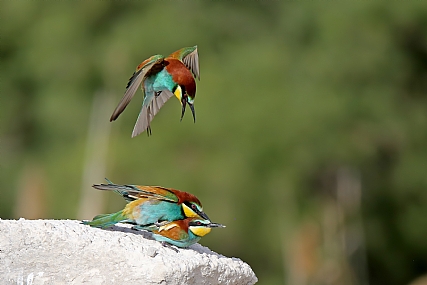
(67, 252)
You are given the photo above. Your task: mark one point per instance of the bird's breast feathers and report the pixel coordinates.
(162, 80)
(181, 75)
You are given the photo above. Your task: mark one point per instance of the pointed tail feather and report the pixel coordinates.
(122, 190)
(134, 192)
(110, 187)
(106, 220)
(142, 122)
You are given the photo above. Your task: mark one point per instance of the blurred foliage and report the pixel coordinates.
(289, 92)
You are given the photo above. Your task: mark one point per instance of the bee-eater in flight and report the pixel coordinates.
(161, 78)
(148, 205)
(181, 233)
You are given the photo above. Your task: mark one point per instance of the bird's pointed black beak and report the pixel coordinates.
(193, 111)
(184, 104)
(203, 215)
(215, 225)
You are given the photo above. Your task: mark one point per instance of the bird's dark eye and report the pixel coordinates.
(198, 223)
(193, 207)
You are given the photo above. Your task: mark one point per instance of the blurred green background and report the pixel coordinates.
(310, 140)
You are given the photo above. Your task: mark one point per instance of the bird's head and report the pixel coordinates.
(185, 98)
(201, 227)
(194, 210)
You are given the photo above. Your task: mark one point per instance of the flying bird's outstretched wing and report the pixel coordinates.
(143, 70)
(190, 57)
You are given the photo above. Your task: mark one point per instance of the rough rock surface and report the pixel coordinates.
(67, 252)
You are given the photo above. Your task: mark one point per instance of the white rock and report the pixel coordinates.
(67, 252)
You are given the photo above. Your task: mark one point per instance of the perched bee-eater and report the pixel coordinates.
(148, 205)
(160, 79)
(181, 233)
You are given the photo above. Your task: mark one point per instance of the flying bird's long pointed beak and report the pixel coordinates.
(215, 225)
(193, 111)
(184, 104)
